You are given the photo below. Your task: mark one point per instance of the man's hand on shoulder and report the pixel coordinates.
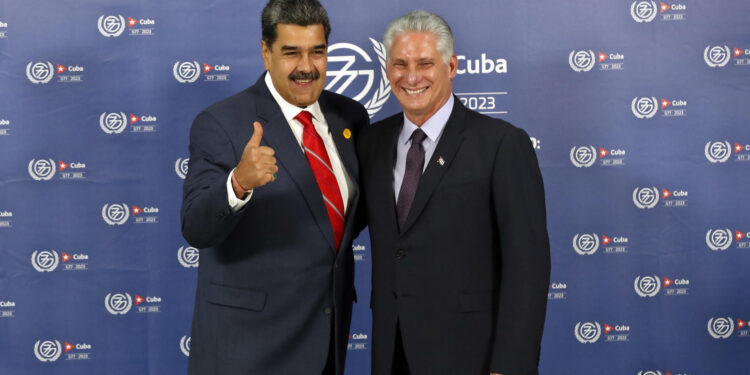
(257, 166)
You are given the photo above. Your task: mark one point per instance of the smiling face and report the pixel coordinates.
(297, 62)
(419, 78)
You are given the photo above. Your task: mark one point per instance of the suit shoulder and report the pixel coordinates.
(487, 123)
(493, 127)
(341, 101)
(395, 118)
(225, 117)
(230, 104)
(378, 128)
(387, 123)
(349, 109)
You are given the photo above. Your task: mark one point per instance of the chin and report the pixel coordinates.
(304, 101)
(413, 106)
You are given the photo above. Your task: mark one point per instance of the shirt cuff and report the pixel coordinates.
(235, 203)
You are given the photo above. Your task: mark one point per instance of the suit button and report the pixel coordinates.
(400, 254)
(327, 311)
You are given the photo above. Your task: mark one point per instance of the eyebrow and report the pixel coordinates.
(420, 60)
(295, 48)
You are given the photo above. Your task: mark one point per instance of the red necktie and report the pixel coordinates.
(320, 164)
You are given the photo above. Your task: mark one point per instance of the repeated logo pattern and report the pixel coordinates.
(86, 123)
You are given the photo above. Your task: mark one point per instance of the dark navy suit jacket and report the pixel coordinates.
(271, 285)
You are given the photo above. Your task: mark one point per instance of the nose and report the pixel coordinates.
(305, 63)
(412, 75)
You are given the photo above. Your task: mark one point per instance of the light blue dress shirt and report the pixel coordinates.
(433, 127)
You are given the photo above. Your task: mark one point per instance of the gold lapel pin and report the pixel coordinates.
(347, 133)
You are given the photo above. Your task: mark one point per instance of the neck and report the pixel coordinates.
(420, 118)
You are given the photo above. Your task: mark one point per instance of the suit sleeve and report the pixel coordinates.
(206, 216)
(518, 194)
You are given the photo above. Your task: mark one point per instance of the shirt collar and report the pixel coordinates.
(433, 127)
(290, 110)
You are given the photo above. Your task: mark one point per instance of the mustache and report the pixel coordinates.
(304, 75)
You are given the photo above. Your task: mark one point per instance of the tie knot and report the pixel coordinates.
(418, 136)
(305, 118)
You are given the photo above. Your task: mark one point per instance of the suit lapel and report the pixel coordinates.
(383, 174)
(446, 149)
(289, 155)
(345, 147)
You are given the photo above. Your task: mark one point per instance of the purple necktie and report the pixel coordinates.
(414, 166)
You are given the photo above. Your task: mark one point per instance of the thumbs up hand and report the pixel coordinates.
(257, 166)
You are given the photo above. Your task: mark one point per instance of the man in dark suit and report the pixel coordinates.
(455, 206)
(270, 199)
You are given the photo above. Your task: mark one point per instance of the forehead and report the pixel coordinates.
(413, 44)
(300, 36)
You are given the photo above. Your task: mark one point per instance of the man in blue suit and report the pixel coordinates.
(270, 199)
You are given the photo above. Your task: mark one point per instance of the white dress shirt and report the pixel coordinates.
(290, 111)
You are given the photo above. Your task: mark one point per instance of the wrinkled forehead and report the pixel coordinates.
(291, 36)
(414, 45)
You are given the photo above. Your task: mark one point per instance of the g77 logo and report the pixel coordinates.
(717, 56)
(719, 239)
(111, 26)
(115, 214)
(646, 198)
(643, 11)
(47, 351)
(186, 71)
(119, 303)
(720, 328)
(582, 61)
(588, 332)
(41, 72)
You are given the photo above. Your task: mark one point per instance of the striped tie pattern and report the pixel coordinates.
(320, 164)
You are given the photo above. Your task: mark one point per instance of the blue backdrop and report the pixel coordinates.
(638, 111)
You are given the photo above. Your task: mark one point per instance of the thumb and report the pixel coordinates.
(257, 134)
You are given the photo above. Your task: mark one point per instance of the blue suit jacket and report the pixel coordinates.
(271, 285)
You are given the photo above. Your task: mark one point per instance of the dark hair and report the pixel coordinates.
(292, 12)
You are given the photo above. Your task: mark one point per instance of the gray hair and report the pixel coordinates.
(421, 21)
(292, 12)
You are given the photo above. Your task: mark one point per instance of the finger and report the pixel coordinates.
(265, 150)
(257, 134)
(272, 169)
(268, 177)
(262, 177)
(268, 160)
